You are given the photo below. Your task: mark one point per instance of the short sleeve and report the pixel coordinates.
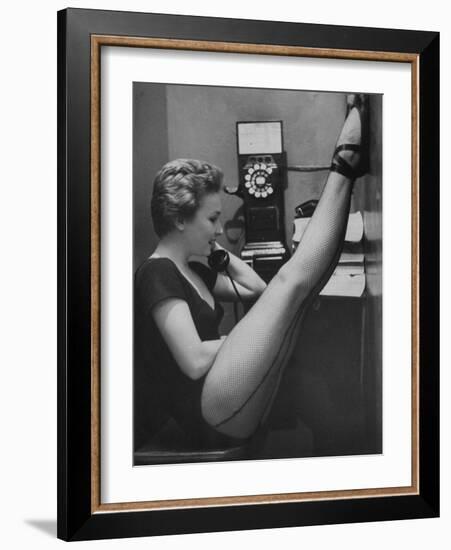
(157, 280)
(205, 273)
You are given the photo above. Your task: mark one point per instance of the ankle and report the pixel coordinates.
(351, 157)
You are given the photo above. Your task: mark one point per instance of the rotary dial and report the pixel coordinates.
(257, 180)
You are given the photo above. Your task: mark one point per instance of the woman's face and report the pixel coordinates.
(201, 231)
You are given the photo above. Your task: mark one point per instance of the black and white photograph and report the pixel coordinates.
(257, 269)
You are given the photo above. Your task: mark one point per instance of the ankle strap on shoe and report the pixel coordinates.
(340, 165)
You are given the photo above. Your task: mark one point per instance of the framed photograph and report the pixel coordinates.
(248, 274)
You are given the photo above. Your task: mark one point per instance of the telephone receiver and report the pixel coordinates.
(306, 209)
(219, 260)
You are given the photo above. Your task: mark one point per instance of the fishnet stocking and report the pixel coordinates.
(247, 369)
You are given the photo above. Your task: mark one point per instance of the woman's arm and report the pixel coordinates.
(194, 357)
(249, 284)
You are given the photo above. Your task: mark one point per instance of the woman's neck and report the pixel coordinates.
(174, 249)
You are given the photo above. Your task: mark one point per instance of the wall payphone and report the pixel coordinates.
(262, 179)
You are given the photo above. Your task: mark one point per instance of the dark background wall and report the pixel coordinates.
(330, 400)
(150, 151)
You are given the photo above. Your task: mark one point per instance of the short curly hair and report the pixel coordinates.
(178, 190)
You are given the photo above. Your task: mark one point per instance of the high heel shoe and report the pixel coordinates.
(342, 166)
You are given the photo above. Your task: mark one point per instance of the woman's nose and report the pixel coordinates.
(219, 230)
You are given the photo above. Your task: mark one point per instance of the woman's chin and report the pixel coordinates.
(201, 254)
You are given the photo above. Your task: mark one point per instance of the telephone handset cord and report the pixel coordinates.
(234, 287)
(218, 261)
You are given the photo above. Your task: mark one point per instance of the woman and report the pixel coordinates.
(219, 390)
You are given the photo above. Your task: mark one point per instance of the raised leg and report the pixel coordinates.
(247, 370)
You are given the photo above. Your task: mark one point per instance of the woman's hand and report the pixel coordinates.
(249, 284)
